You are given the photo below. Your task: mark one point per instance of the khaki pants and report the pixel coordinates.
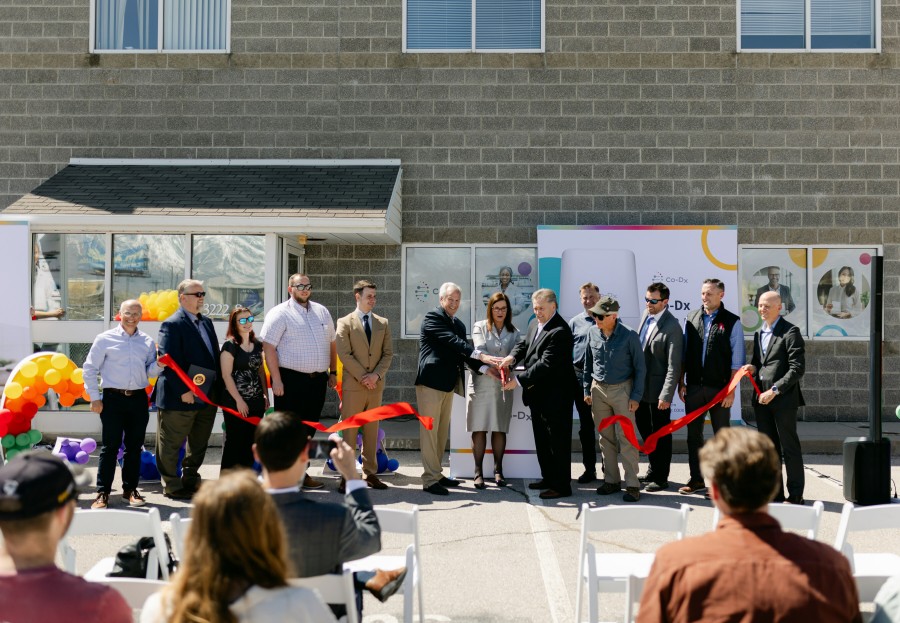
(173, 427)
(435, 404)
(353, 402)
(613, 400)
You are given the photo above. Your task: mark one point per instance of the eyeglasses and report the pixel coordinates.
(654, 301)
(249, 319)
(199, 295)
(302, 286)
(131, 314)
(495, 308)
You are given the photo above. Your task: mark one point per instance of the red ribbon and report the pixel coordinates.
(650, 443)
(372, 415)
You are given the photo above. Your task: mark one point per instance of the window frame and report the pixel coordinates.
(473, 49)
(92, 42)
(807, 36)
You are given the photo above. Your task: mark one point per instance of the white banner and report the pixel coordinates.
(15, 320)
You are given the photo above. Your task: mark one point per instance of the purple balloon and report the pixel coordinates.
(524, 269)
(88, 445)
(380, 435)
(70, 452)
(121, 454)
(82, 457)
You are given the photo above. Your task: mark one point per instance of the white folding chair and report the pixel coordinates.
(135, 590)
(401, 522)
(869, 570)
(334, 589)
(179, 532)
(120, 523)
(792, 517)
(609, 573)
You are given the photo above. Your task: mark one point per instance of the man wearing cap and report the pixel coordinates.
(122, 360)
(581, 324)
(37, 502)
(614, 373)
(298, 341)
(548, 389)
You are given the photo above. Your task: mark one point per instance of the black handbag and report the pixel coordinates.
(133, 559)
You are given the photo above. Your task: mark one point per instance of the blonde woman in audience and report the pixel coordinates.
(235, 566)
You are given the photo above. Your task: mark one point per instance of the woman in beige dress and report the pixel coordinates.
(488, 408)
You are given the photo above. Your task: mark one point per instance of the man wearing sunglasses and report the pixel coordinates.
(662, 341)
(188, 336)
(298, 341)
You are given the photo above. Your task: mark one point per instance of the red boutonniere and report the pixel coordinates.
(721, 326)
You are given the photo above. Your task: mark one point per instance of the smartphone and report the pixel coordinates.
(321, 449)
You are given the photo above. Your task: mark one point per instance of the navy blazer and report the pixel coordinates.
(179, 338)
(443, 351)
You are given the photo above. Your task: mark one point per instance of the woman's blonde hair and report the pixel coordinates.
(235, 541)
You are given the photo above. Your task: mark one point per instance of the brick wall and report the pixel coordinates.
(640, 112)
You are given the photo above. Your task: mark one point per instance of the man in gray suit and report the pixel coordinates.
(662, 341)
(774, 275)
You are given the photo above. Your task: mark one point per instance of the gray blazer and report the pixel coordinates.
(662, 354)
(322, 536)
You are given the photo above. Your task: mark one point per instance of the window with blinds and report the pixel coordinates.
(160, 25)
(809, 24)
(473, 25)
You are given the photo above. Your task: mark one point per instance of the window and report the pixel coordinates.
(809, 25)
(232, 269)
(160, 25)
(67, 276)
(147, 268)
(473, 26)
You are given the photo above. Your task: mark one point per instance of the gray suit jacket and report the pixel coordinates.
(322, 536)
(662, 354)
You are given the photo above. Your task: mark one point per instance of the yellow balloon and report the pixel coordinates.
(77, 376)
(163, 314)
(13, 390)
(43, 364)
(52, 377)
(143, 298)
(59, 361)
(29, 370)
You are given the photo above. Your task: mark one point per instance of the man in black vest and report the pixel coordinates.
(713, 354)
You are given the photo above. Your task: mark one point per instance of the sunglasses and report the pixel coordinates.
(598, 316)
(249, 319)
(302, 287)
(654, 301)
(199, 295)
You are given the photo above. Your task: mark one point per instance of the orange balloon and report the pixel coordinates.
(13, 405)
(66, 399)
(29, 393)
(86, 396)
(40, 386)
(40, 401)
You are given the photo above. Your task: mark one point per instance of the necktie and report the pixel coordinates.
(645, 330)
(203, 335)
(367, 328)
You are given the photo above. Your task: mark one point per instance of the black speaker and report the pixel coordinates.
(867, 470)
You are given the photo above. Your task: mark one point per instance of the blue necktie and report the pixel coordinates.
(367, 327)
(645, 330)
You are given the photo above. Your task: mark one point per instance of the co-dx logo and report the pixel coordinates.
(676, 305)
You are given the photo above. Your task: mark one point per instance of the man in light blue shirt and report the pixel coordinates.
(581, 324)
(116, 372)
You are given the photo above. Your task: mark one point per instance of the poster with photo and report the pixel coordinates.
(425, 269)
(779, 270)
(841, 291)
(511, 270)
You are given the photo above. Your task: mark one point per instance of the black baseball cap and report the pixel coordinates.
(36, 482)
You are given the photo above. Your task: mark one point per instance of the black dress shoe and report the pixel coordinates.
(587, 477)
(552, 494)
(540, 484)
(180, 494)
(795, 499)
(645, 478)
(436, 489)
(652, 487)
(448, 482)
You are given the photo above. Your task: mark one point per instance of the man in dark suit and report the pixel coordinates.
(778, 364)
(774, 275)
(662, 340)
(190, 339)
(443, 353)
(548, 389)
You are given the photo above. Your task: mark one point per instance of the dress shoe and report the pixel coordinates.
(587, 477)
(179, 494)
(134, 498)
(632, 494)
(374, 482)
(310, 483)
(499, 479)
(795, 499)
(552, 494)
(102, 501)
(648, 477)
(436, 489)
(608, 487)
(540, 484)
(342, 485)
(448, 482)
(479, 482)
(692, 487)
(652, 487)
(385, 583)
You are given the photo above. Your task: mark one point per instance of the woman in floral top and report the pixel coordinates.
(245, 380)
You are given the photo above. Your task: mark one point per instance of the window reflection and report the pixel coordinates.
(68, 276)
(147, 268)
(232, 269)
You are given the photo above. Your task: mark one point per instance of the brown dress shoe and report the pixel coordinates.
(374, 482)
(385, 583)
(134, 498)
(102, 501)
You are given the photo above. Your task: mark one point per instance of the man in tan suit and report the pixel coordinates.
(363, 343)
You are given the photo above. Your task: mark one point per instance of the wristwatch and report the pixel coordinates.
(775, 389)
